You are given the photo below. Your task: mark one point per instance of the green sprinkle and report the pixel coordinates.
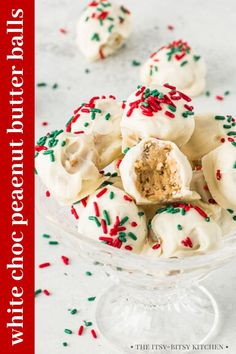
(91, 298)
(107, 116)
(172, 108)
(68, 331)
(123, 221)
(227, 93)
(55, 86)
(41, 84)
(140, 213)
(122, 234)
(184, 63)
(196, 57)
(115, 174)
(110, 28)
(234, 165)
(231, 133)
(226, 126)
(53, 242)
(145, 104)
(179, 227)
(207, 219)
(46, 236)
(87, 71)
(183, 212)
(136, 63)
(65, 344)
(88, 324)
(126, 150)
(37, 292)
(230, 211)
(93, 115)
(111, 196)
(35, 171)
(234, 217)
(73, 311)
(219, 117)
(233, 143)
(63, 143)
(95, 37)
(96, 110)
(86, 124)
(88, 273)
(133, 236)
(95, 219)
(207, 93)
(106, 217)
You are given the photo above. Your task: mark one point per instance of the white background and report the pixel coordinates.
(210, 27)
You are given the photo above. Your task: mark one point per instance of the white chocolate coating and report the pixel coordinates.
(185, 235)
(161, 113)
(102, 29)
(70, 170)
(177, 65)
(219, 168)
(129, 176)
(209, 133)
(100, 118)
(131, 226)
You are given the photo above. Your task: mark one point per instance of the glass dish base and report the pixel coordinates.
(137, 321)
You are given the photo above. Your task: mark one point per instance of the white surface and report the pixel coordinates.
(210, 26)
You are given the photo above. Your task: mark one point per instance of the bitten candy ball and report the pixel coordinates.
(100, 118)
(219, 168)
(111, 216)
(185, 230)
(67, 164)
(156, 171)
(176, 64)
(162, 112)
(102, 29)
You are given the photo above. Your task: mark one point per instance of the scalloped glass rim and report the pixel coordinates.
(48, 208)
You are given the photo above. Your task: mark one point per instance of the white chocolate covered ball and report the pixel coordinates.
(219, 168)
(176, 64)
(160, 112)
(100, 118)
(111, 216)
(211, 130)
(156, 171)
(67, 164)
(102, 29)
(185, 230)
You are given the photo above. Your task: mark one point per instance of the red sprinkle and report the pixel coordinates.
(129, 248)
(156, 246)
(74, 212)
(102, 56)
(104, 226)
(94, 334)
(118, 164)
(44, 124)
(169, 114)
(44, 265)
(103, 191)
(218, 175)
(187, 242)
(170, 87)
(39, 148)
(65, 260)
(47, 194)
(62, 30)
(170, 27)
(133, 224)
(219, 98)
(200, 211)
(80, 331)
(127, 198)
(46, 292)
(96, 209)
(84, 202)
(106, 239)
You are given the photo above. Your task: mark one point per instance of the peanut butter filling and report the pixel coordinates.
(157, 173)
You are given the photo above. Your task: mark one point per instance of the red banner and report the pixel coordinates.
(17, 178)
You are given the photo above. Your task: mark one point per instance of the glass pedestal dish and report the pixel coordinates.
(153, 301)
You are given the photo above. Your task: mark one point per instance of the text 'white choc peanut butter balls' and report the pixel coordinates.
(176, 64)
(68, 165)
(102, 29)
(100, 118)
(185, 230)
(110, 215)
(156, 171)
(161, 112)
